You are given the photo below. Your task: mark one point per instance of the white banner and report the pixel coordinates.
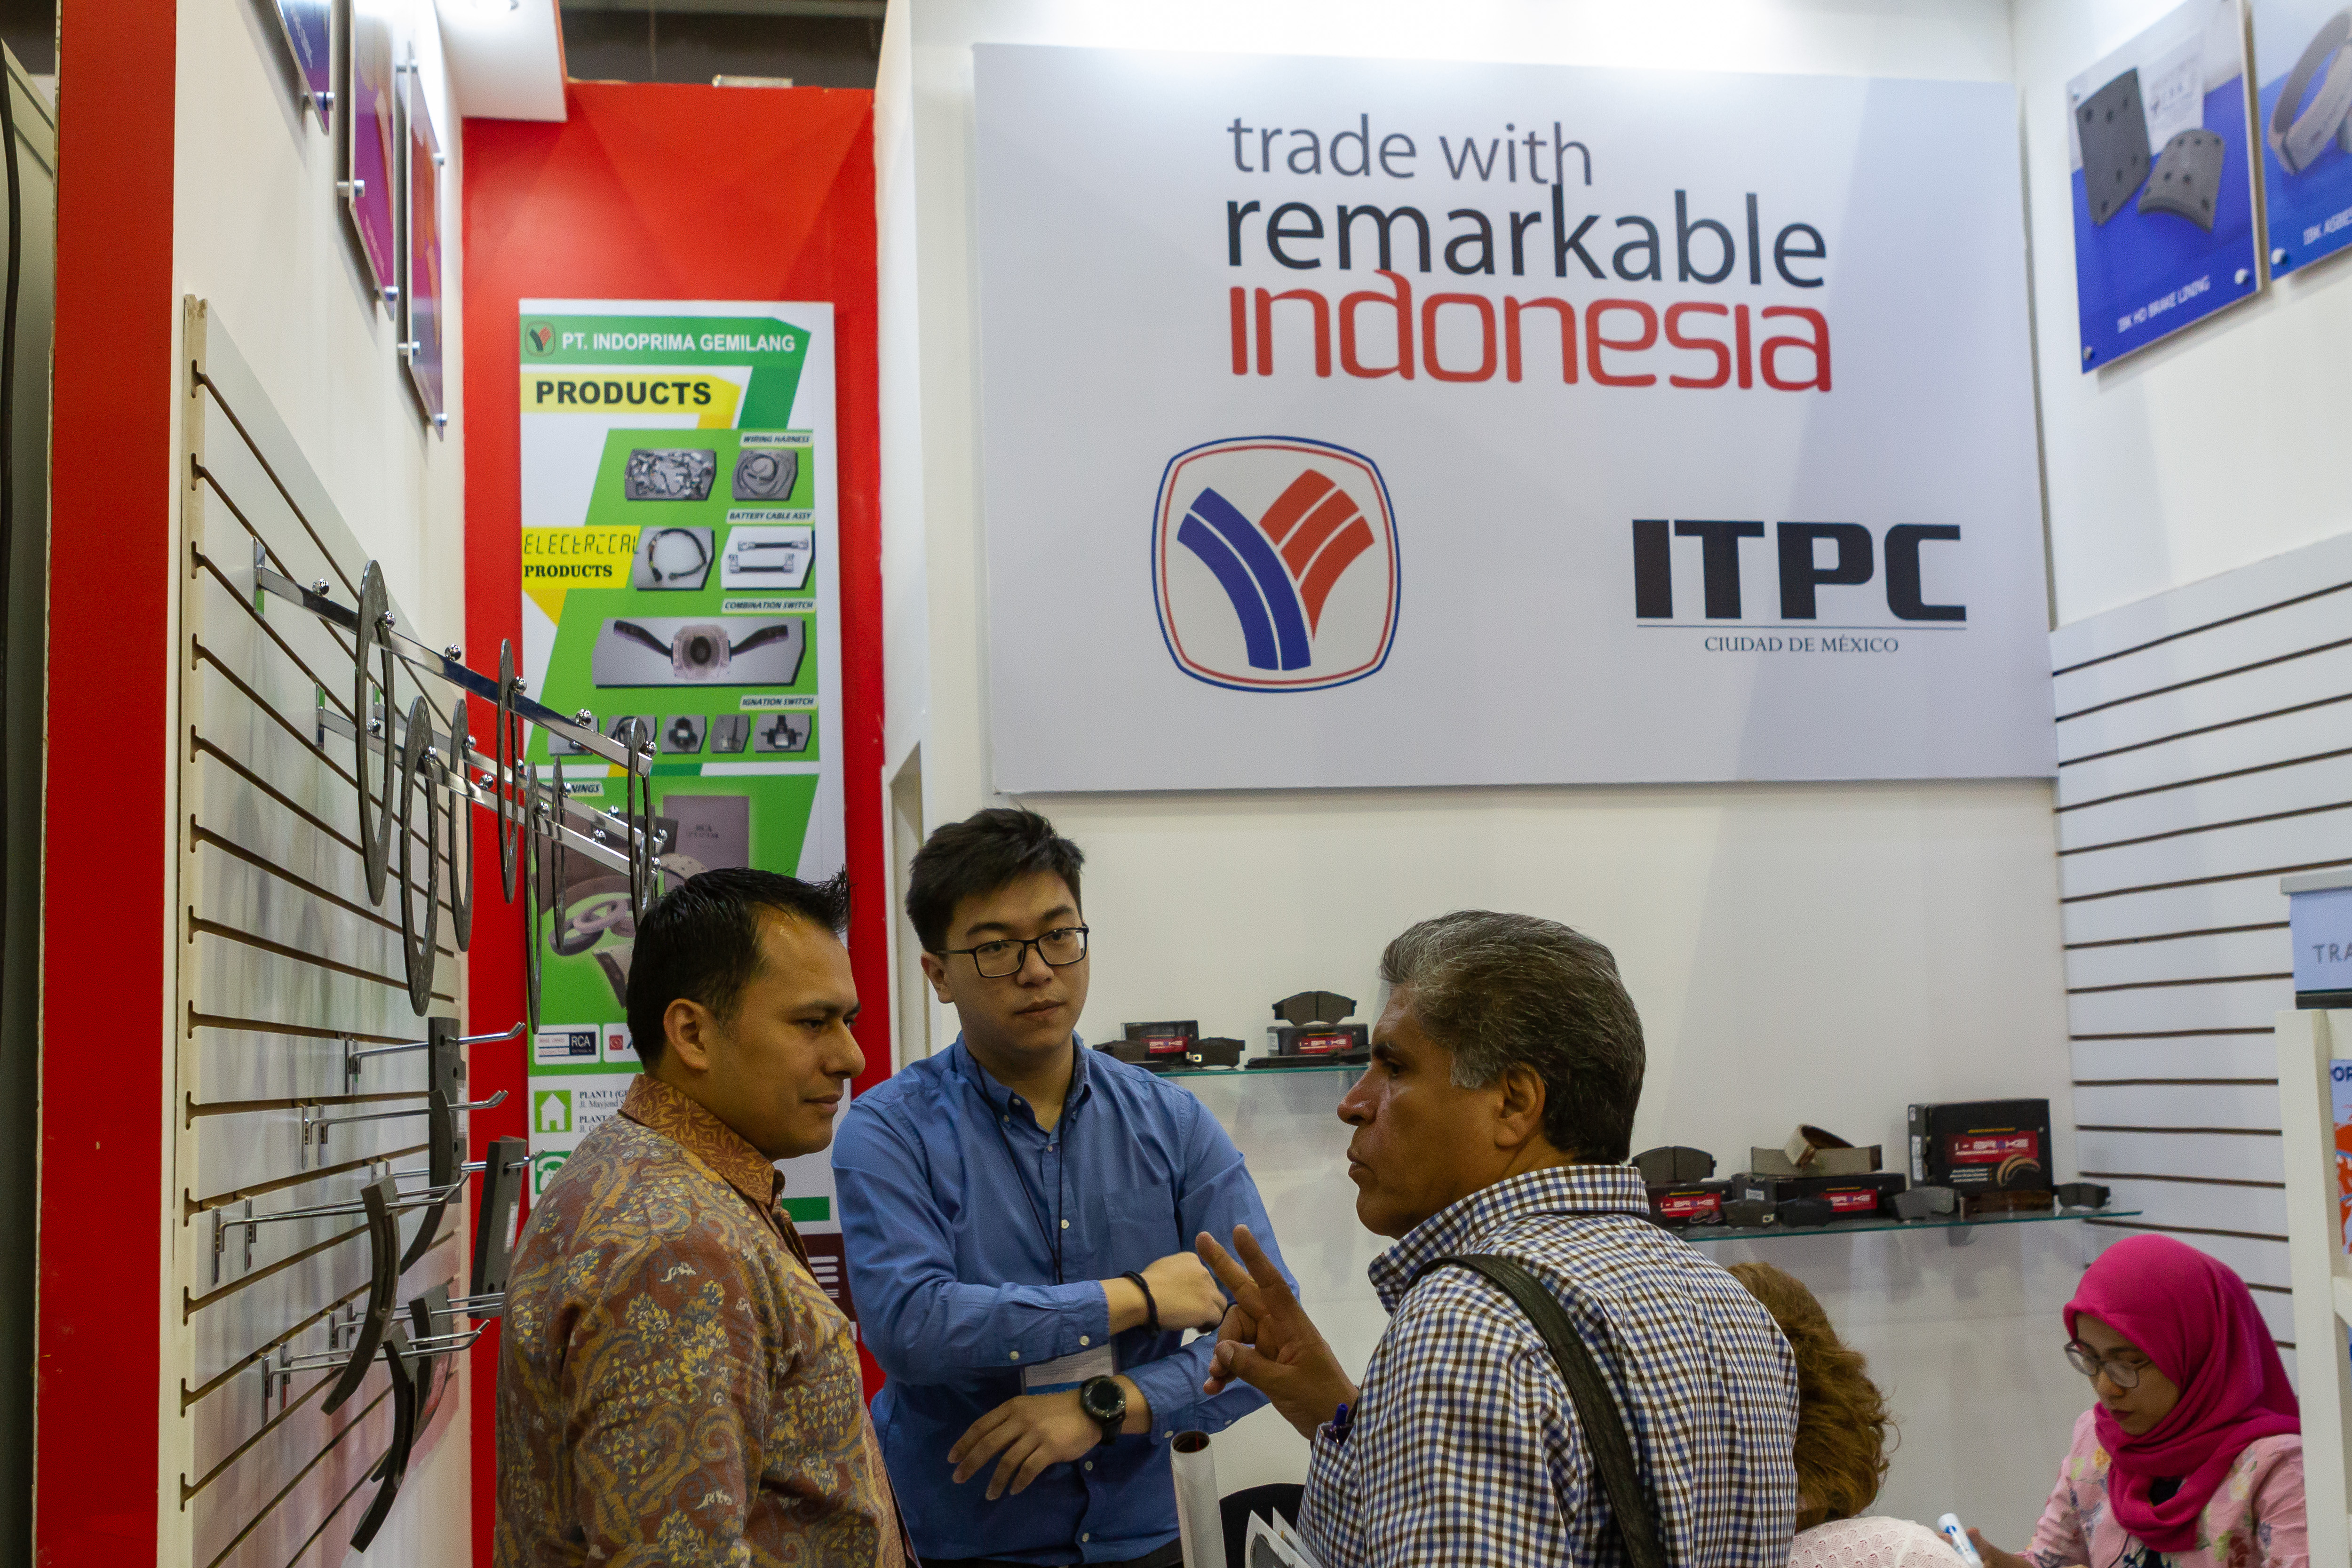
(1368, 422)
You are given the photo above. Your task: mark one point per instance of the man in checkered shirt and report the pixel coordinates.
(1495, 1117)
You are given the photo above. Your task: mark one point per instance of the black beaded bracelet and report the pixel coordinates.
(1150, 1305)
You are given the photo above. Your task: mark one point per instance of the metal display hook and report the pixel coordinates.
(448, 664)
(352, 1057)
(419, 941)
(461, 861)
(531, 900)
(507, 754)
(368, 625)
(321, 1123)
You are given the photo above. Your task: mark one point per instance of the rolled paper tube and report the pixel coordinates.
(1200, 1520)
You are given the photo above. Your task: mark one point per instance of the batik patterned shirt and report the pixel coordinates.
(674, 1387)
(2253, 1520)
(1464, 1446)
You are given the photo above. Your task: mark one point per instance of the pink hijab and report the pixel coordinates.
(2198, 1324)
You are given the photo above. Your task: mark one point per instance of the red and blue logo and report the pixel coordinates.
(1275, 562)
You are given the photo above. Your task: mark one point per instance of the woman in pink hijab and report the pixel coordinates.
(2192, 1458)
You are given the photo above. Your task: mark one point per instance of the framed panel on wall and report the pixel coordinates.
(420, 291)
(1624, 447)
(2302, 68)
(2163, 185)
(371, 111)
(308, 28)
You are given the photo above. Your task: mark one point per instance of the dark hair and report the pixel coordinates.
(1502, 990)
(1842, 1418)
(701, 942)
(987, 851)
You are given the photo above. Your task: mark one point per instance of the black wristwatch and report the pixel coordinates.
(1104, 1401)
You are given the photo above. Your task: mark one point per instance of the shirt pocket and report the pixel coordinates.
(1140, 1226)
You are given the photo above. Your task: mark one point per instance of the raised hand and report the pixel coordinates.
(1268, 1341)
(1185, 1292)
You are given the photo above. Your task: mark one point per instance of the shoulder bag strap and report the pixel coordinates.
(1596, 1410)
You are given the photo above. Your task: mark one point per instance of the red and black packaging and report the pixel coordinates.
(1983, 1145)
(1677, 1203)
(1167, 1041)
(1849, 1197)
(1339, 1040)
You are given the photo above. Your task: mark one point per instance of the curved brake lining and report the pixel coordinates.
(2187, 180)
(2298, 139)
(2112, 126)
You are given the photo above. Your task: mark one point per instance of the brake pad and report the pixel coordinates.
(2112, 126)
(2187, 180)
(2297, 139)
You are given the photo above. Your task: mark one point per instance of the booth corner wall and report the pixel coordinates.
(107, 868)
(574, 210)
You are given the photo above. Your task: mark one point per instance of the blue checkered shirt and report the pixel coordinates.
(1464, 1447)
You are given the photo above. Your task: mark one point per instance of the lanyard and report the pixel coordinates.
(1053, 1236)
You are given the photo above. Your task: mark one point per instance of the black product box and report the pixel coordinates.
(1675, 1204)
(1849, 1197)
(1165, 1042)
(1342, 1041)
(1983, 1145)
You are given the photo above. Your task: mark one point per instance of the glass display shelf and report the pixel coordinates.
(1259, 1073)
(1879, 1222)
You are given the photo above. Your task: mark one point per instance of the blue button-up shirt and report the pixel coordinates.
(954, 1281)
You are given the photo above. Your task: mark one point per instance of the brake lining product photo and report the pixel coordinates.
(2113, 129)
(2187, 178)
(2163, 155)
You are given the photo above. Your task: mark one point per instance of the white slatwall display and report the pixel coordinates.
(286, 964)
(2205, 750)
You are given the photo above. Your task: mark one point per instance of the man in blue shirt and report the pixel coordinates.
(1019, 1214)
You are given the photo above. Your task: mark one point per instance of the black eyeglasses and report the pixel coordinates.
(2086, 1361)
(1061, 947)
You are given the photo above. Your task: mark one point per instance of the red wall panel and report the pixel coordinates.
(669, 193)
(106, 1043)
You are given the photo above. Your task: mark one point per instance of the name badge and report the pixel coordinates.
(1068, 1372)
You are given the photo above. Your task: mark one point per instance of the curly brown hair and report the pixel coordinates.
(1843, 1421)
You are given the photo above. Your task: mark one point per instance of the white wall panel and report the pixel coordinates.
(2271, 792)
(2192, 1007)
(2237, 952)
(1825, 954)
(2247, 1056)
(2177, 836)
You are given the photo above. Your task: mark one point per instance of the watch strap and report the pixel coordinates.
(1109, 1423)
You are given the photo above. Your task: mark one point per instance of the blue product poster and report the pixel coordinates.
(2163, 186)
(2302, 59)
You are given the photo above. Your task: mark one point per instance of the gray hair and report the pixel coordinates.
(1500, 991)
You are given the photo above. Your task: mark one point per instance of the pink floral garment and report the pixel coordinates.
(2255, 1520)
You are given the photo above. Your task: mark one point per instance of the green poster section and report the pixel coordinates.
(673, 642)
(581, 988)
(773, 349)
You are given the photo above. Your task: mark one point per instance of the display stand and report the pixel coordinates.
(2318, 1271)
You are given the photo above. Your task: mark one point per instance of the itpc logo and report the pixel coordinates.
(1274, 559)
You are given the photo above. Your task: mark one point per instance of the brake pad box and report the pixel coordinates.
(1854, 1196)
(1983, 1145)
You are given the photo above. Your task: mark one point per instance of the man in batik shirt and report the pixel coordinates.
(674, 1387)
